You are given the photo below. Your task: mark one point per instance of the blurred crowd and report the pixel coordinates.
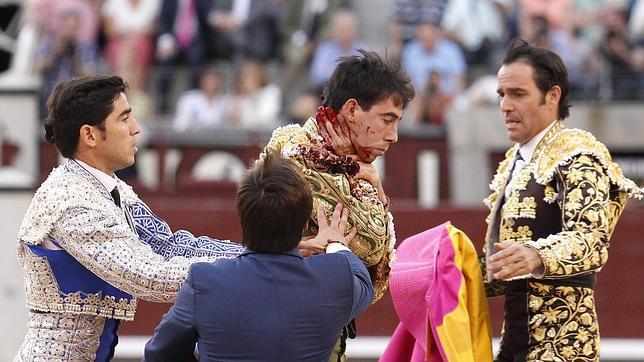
(452, 48)
(257, 64)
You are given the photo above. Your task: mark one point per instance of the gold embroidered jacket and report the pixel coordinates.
(375, 240)
(564, 203)
(578, 176)
(73, 210)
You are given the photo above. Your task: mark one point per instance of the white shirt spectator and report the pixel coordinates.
(130, 18)
(446, 58)
(196, 111)
(473, 21)
(260, 110)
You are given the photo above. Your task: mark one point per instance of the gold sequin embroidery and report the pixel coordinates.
(375, 240)
(563, 323)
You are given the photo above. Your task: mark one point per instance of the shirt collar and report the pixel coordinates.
(109, 182)
(293, 252)
(527, 150)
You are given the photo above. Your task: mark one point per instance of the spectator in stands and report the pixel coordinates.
(63, 56)
(302, 25)
(626, 70)
(581, 54)
(245, 29)
(558, 13)
(49, 11)
(203, 107)
(478, 26)
(184, 39)
(586, 19)
(406, 16)
(269, 304)
(579, 57)
(343, 29)
(636, 38)
(555, 26)
(432, 52)
(255, 103)
(432, 103)
(304, 107)
(537, 30)
(129, 26)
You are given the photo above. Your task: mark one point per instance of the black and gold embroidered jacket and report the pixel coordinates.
(565, 203)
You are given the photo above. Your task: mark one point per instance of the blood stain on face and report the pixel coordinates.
(366, 152)
(373, 131)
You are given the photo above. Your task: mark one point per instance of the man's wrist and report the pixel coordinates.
(539, 271)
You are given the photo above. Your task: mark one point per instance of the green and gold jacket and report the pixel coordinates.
(331, 179)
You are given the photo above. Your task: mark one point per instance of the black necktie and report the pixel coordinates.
(492, 235)
(117, 200)
(518, 160)
(518, 164)
(116, 196)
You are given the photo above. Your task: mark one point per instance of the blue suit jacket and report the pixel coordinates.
(263, 307)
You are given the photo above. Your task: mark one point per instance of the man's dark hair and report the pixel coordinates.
(274, 203)
(77, 102)
(549, 70)
(368, 79)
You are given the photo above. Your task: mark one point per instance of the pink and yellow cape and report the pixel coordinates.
(437, 290)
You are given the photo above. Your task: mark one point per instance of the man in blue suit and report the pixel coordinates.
(270, 303)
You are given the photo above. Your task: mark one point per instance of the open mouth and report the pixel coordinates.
(511, 123)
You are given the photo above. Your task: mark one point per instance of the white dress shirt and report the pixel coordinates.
(526, 151)
(109, 182)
